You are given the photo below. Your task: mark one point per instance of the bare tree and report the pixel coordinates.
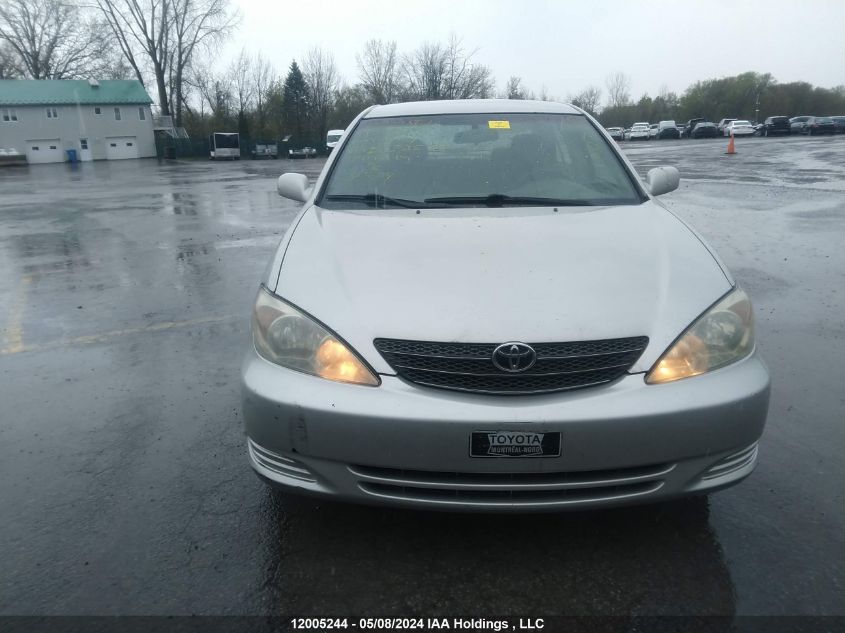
(263, 80)
(435, 71)
(195, 24)
(378, 70)
(322, 79)
(618, 89)
(162, 36)
(424, 70)
(52, 39)
(464, 79)
(214, 95)
(8, 66)
(588, 99)
(240, 76)
(515, 89)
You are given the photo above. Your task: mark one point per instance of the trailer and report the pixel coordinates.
(224, 145)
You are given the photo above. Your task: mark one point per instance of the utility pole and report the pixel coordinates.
(757, 109)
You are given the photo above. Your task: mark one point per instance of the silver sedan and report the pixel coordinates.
(482, 307)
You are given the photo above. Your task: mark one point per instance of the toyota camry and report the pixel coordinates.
(482, 306)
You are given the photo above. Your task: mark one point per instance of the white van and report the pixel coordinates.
(332, 138)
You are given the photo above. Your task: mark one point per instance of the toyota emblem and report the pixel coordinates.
(514, 357)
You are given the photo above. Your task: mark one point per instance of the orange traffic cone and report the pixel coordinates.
(731, 146)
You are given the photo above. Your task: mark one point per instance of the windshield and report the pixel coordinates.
(478, 160)
(225, 141)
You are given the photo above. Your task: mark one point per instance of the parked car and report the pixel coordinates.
(818, 125)
(264, 149)
(616, 133)
(722, 124)
(690, 126)
(652, 388)
(705, 129)
(638, 131)
(796, 124)
(11, 156)
(774, 125)
(332, 138)
(302, 152)
(652, 131)
(838, 124)
(668, 129)
(738, 127)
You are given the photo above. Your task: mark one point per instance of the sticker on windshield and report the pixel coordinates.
(499, 125)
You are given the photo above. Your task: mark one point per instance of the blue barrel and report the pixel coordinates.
(71, 155)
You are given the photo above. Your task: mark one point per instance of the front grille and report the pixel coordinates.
(511, 489)
(469, 366)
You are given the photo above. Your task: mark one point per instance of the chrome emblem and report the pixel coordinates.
(514, 357)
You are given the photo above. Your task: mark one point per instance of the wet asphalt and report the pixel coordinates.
(124, 485)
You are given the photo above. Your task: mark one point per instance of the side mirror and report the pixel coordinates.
(662, 180)
(294, 186)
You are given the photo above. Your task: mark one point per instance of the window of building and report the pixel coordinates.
(52, 113)
(9, 115)
(83, 143)
(117, 114)
(98, 110)
(142, 114)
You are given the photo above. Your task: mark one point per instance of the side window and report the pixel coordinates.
(117, 114)
(142, 115)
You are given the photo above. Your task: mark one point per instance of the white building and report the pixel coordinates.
(98, 119)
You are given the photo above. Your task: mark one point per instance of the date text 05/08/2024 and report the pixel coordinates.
(418, 624)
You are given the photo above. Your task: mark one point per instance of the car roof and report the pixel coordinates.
(470, 106)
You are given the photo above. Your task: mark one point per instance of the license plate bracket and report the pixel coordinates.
(514, 444)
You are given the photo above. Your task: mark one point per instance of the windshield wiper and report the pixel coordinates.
(502, 200)
(377, 200)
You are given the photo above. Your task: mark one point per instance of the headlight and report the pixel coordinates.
(723, 335)
(285, 336)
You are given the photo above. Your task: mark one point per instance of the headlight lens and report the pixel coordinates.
(723, 335)
(285, 336)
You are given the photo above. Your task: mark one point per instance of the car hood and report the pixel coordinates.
(497, 275)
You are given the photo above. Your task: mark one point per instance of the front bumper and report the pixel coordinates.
(404, 445)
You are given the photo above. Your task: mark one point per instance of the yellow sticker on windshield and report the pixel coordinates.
(499, 125)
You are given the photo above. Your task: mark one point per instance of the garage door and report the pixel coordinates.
(44, 151)
(119, 147)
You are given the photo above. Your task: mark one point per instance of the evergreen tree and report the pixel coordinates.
(295, 107)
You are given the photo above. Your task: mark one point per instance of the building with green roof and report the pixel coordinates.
(47, 119)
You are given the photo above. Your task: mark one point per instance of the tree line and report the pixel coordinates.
(750, 95)
(171, 47)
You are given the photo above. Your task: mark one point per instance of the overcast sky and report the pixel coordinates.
(567, 45)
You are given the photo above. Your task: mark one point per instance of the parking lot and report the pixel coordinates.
(124, 311)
